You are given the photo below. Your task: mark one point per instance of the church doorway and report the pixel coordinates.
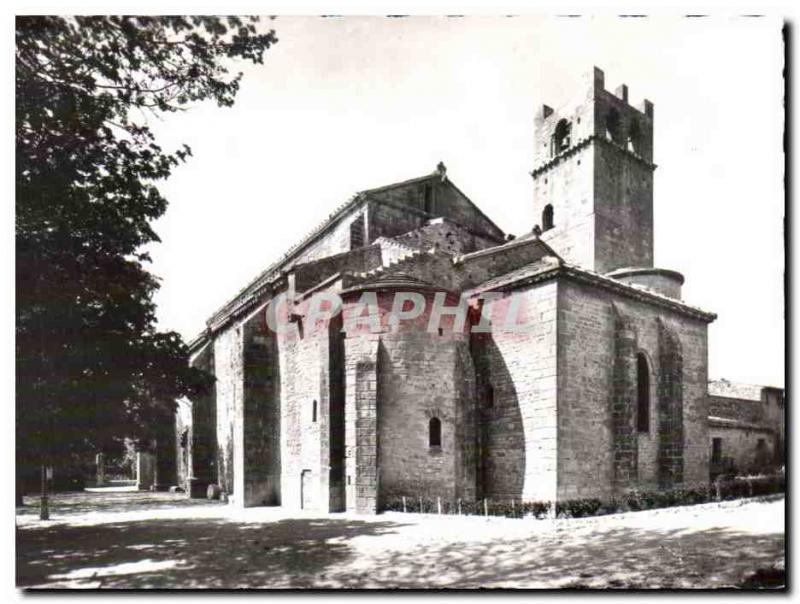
(305, 489)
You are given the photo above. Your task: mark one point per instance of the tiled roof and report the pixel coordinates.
(725, 422)
(728, 389)
(647, 294)
(272, 271)
(541, 265)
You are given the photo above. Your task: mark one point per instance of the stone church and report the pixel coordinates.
(605, 390)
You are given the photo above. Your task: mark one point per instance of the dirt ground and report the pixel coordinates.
(127, 539)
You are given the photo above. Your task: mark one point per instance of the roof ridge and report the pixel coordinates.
(270, 271)
(649, 292)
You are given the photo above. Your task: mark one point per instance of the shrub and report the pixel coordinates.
(578, 508)
(750, 486)
(634, 500)
(611, 506)
(538, 509)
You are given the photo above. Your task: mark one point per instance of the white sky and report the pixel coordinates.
(346, 104)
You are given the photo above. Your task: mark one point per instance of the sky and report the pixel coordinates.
(350, 103)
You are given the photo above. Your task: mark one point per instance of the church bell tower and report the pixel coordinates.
(593, 178)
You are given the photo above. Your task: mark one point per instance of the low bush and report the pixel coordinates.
(537, 509)
(578, 508)
(749, 486)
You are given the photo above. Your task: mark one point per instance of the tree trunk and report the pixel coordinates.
(44, 510)
(18, 501)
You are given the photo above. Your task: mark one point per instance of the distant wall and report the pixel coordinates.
(742, 447)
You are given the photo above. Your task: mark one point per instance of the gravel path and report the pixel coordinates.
(140, 540)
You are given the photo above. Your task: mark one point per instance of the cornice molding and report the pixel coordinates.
(582, 144)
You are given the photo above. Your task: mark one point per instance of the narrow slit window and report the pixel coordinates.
(314, 411)
(435, 432)
(643, 394)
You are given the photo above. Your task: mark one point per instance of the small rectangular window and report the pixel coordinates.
(428, 199)
(357, 233)
(435, 432)
(716, 450)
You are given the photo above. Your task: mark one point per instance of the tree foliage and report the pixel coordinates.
(91, 365)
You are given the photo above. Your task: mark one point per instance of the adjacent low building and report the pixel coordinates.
(746, 427)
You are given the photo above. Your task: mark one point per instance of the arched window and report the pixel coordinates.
(435, 432)
(314, 411)
(547, 218)
(561, 138)
(613, 129)
(642, 393)
(634, 137)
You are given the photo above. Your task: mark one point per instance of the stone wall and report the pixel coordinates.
(599, 183)
(335, 238)
(397, 381)
(228, 369)
(260, 474)
(478, 267)
(196, 455)
(423, 376)
(623, 207)
(301, 350)
(740, 445)
(446, 201)
(670, 407)
(623, 407)
(569, 188)
(447, 236)
(307, 275)
(750, 410)
(386, 220)
(516, 390)
(361, 421)
(663, 282)
(587, 331)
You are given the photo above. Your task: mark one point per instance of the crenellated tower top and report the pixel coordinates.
(593, 177)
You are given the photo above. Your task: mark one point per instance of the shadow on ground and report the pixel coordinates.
(312, 552)
(83, 502)
(625, 558)
(187, 553)
(272, 551)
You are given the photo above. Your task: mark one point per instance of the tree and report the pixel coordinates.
(91, 365)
